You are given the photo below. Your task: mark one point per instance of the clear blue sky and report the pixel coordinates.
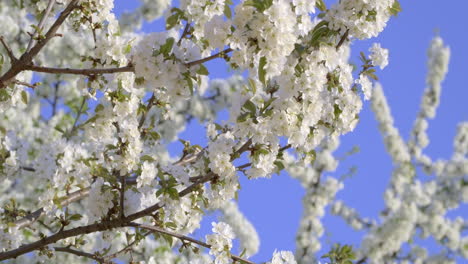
(274, 206)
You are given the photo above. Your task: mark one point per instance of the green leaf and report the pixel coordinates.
(127, 49)
(279, 165)
(227, 11)
(146, 158)
(91, 120)
(261, 70)
(167, 47)
(75, 217)
(2, 60)
(395, 8)
(173, 193)
(4, 95)
(321, 5)
(154, 135)
(24, 97)
(99, 108)
(139, 80)
(253, 86)
(260, 5)
(170, 225)
(250, 106)
(371, 74)
(243, 117)
(202, 70)
(190, 84)
(337, 111)
(175, 18)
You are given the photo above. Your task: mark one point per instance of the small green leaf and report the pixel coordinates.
(24, 97)
(243, 117)
(146, 158)
(202, 70)
(99, 108)
(167, 47)
(262, 70)
(2, 60)
(139, 80)
(154, 135)
(321, 5)
(253, 86)
(279, 165)
(173, 193)
(395, 9)
(175, 18)
(75, 217)
(227, 11)
(4, 95)
(250, 106)
(190, 84)
(337, 111)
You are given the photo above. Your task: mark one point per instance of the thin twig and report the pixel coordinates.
(185, 239)
(148, 107)
(50, 5)
(220, 54)
(8, 50)
(54, 103)
(184, 33)
(80, 253)
(26, 168)
(32, 86)
(125, 249)
(78, 115)
(343, 39)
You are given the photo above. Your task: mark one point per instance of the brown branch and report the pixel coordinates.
(184, 239)
(32, 86)
(184, 33)
(80, 253)
(96, 227)
(128, 68)
(343, 39)
(104, 225)
(10, 54)
(27, 57)
(87, 72)
(148, 107)
(220, 54)
(125, 249)
(32, 217)
(50, 5)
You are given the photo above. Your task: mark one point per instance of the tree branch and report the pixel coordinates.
(27, 57)
(184, 238)
(96, 227)
(128, 68)
(10, 54)
(104, 225)
(50, 5)
(88, 72)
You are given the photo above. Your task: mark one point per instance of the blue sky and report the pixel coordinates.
(274, 205)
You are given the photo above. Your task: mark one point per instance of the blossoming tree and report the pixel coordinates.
(89, 106)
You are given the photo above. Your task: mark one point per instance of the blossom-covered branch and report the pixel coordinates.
(185, 239)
